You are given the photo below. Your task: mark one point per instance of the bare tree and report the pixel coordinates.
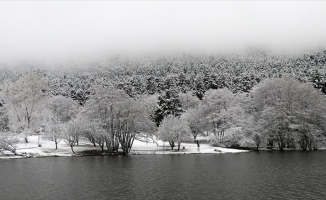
(74, 130)
(195, 119)
(101, 109)
(8, 142)
(24, 96)
(96, 134)
(122, 117)
(59, 111)
(132, 122)
(174, 130)
(54, 132)
(257, 139)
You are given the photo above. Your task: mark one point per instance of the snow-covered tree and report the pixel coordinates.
(174, 130)
(132, 122)
(98, 134)
(24, 97)
(59, 111)
(257, 138)
(282, 106)
(102, 109)
(54, 132)
(168, 104)
(189, 100)
(63, 109)
(196, 121)
(221, 110)
(8, 142)
(74, 130)
(123, 117)
(4, 119)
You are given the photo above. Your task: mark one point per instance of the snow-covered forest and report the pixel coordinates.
(238, 100)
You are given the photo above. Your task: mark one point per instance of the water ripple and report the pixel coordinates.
(263, 175)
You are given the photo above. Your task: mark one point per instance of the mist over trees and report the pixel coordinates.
(188, 72)
(255, 99)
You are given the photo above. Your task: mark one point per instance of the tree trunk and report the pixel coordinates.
(12, 150)
(178, 146)
(94, 144)
(270, 143)
(28, 125)
(315, 146)
(309, 144)
(304, 143)
(116, 144)
(26, 138)
(102, 147)
(171, 144)
(197, 143)
(56, 145)
(72, 149)
(281, 145)
(108, 145)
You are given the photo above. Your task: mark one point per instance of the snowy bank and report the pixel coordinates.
(47, 149)
(185, 148)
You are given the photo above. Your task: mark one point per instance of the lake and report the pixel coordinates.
(254, 175)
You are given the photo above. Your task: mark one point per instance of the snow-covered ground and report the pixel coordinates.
(185, 148)
(48, 148)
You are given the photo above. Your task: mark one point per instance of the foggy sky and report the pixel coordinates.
(87, 29)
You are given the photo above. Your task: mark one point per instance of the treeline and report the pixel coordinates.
(278, 112)
(110, 118)
(197, 73)
(193, 73)
(237, 100)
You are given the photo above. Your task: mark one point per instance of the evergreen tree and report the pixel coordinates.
(168, 104)
(4, 120)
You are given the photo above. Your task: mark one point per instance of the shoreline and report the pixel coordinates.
(47, 149)
(217, 150)
(85, 148)
(97, 152)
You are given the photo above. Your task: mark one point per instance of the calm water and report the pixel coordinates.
(263, 175)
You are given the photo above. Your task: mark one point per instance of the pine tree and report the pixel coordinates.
(168, 104)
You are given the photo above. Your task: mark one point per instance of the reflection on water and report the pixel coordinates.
(262, 175)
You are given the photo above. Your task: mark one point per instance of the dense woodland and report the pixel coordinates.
(239, 100)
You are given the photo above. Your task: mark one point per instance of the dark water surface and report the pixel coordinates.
(262, 175)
